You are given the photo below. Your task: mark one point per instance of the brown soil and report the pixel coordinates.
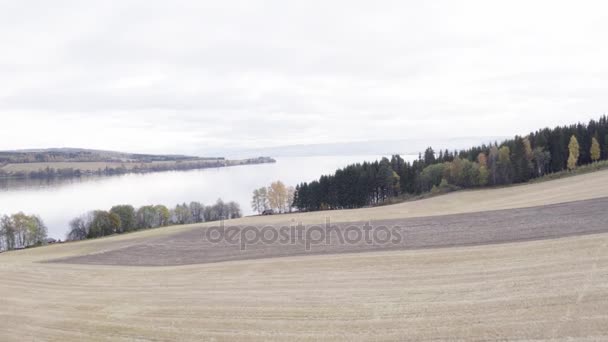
(500, 226)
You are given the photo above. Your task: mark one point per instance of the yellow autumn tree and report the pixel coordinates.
(573, 148)
(278, 196)
(484, 173)
(595, 150)
(482, 159)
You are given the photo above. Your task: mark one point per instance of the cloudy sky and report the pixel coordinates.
(192, 76)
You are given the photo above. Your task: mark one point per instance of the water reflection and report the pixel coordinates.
(32, 183)
(57, 201)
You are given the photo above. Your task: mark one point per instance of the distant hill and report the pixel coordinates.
(65, 154)
(75, 162)
(373, 147)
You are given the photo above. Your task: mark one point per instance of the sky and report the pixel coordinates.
(201, 76)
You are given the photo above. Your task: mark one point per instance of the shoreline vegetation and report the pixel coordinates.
(155, 216)
(542, 155)
(548, 153)
(581, 170)
(121, 219)
(71, 163)
(20, 231)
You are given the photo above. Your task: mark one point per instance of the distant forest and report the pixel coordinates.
(84, 155)
(68, 162)
(515, 160)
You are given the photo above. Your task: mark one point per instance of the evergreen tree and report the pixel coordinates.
(429, 156)
(518, 159)
(584, 140)
(493, 165)
(447, 157)
(521, 168)
(557, 143)
(606, 146)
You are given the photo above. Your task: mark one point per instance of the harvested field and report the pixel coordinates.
(510, 225)
(549, 289)
(581, 187)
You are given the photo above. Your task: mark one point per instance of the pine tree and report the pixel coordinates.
(606, 144)
(429, 156)
(573, 149)
(558, 148)
(520, 161)
(493, 164)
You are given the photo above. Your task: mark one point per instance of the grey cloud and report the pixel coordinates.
(262, 73)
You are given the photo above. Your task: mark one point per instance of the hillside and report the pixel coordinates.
(84, 155)
(539, 290)
(75, 162)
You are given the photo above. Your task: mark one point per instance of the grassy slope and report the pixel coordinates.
(531, 290)
(586, 186)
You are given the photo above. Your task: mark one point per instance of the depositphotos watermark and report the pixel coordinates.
(304, 235)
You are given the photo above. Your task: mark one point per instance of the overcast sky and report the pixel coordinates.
(193, 76)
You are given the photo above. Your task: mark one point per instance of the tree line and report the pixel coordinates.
(21, 231)
(516, 160)
(53, 155)
(277, 198)
(114, 168)
(121, 169)
(126, 218)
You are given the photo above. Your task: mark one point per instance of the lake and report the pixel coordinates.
(59, 201)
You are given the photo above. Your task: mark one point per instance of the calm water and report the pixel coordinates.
(57, 202)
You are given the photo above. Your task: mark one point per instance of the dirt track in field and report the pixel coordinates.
(500, 226)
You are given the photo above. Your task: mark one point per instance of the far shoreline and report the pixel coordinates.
(77, 169)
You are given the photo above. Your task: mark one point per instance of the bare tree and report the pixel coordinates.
(78, 229)
(291, 192)
(541, 160)
(259, 201)
(182, 214)
(20, 224)
(7, 231)
(255, 201)
(493, 164)
(233, 210)
(196, 212)
(38, 231)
